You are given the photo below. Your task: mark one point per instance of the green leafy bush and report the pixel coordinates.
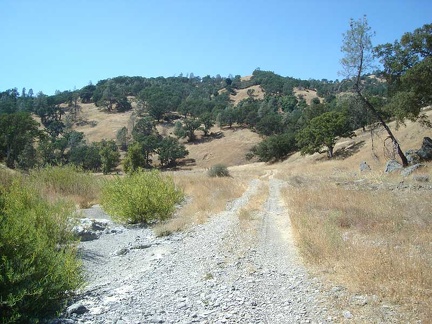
(218, 170)
(38, 263)
(140, 197)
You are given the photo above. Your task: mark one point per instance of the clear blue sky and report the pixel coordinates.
(50, 45)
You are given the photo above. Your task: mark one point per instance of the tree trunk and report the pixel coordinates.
(330, 152)
(389, 132)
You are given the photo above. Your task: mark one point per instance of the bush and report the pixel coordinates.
(141, 197)
(38, 264)
(218, 170)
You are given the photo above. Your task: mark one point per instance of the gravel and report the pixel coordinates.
(223, 271)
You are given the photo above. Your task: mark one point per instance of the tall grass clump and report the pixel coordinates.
(141, 197)
(218, 170)
(69, 182)
(38, 264)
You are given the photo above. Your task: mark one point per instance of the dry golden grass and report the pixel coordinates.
(100, 125)
(373, 242)
(242, 94)
(307, 94)
(229, 149)
(205, 196)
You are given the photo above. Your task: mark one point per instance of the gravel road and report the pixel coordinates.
(220, 272)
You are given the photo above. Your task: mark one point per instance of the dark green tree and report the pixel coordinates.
(109, 154)
(187, 128)
(86, 93)
(86, 157)
(17, 130)
(169, 150)
(274, 148)
(408, 71)
(323, 131)
(122, 138)
(135, 158)
(208, 121)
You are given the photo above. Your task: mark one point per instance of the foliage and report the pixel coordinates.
(143, 128)
(135, 158)
(159, 100)
(323, 130)
(169, 150)
(122, 138)
(141, 197)
(109, 154)
(207, 120)
(408, 71)
(274, 148)
(17, 130)
(86, 157)
(187, 128)
(38, 265)
(218, 170)
(270, 124)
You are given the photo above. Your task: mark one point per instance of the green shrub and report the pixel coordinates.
(38, 263)
(140, 197)
(218, 170)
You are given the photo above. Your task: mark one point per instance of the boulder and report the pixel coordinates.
(392, 166)
(425, 152)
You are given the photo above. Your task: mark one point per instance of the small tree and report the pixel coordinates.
(109, 154)
(358, 59)
(208, 121)
(187, 129)
(170, 150)
(122, 138)
(274, 148)
(323, 131)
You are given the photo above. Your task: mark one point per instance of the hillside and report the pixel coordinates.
(205, 152)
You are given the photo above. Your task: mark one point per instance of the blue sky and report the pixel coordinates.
(50, 45)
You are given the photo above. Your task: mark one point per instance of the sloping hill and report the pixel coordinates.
(227, 146)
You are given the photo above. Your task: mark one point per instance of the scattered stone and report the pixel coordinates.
(359, 300)
(122, 251)
(141, 246)
(85, 234)
(421, 177)
(392, 166)
(347, 314)
(407, 171)
(364, 167)
(77, 308)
